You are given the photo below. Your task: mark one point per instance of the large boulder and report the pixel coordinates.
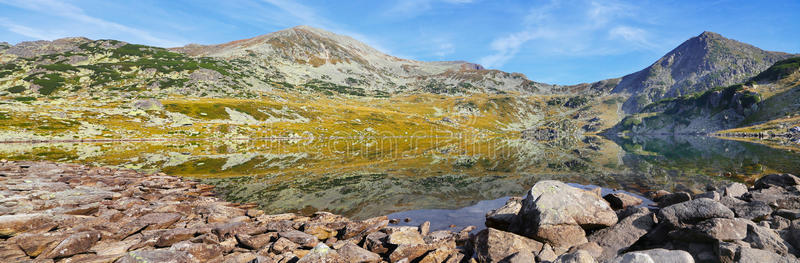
(766, 239)
(492, 245)
(780, 180)
(557, 213)
(691, 212)
(353, 253)
(625, 233)
(580, 256)
(74, 244)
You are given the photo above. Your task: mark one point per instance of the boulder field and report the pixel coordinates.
(52, 212)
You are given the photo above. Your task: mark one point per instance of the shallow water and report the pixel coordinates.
(441, 179)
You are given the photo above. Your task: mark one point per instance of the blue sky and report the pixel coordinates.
(562, 42)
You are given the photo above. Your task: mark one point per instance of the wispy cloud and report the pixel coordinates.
(412, 8)
(76, 14)
(572, 28)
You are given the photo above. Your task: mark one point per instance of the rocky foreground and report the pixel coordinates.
(72, 213)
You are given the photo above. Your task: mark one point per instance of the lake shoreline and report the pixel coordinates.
(76, 213)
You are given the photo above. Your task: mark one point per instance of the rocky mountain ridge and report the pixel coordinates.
(698, 64)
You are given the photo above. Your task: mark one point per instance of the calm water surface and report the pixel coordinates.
(444, 180)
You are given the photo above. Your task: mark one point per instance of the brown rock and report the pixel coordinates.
(403, 235)
(320, 231)
(561, 236)
(622, 200)
(409, 252)
(238, 257)
(300, 238)
(74, 244)
(35, 244)
(283, 245)
(90, 258)
(11, 225)
(353, 253)
(199, 251)
(113, 247)
(360, 229)
(173, 236)
(442, 254)
(492, 245)
(376, 242)
(255, 242)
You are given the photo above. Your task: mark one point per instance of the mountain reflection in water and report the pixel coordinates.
(365, 177)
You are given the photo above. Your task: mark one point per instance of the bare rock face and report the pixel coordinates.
(493, 245)
(74, 244)
(557, 213)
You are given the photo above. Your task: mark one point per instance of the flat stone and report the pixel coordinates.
(722, 229)
(255, 242)
(11, 225)
(321, 253)
(158, 255)
(35, 244)
(74, 244)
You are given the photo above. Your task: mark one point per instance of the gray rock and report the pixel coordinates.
(520, 257)
(352, 253)
(661, 255)
(780, 180)
(745, 254)
(713, 195)
(558, 213)
(622, 235)
(502, 217)
(672, 199)
(492, 245)
(300, 238)
(735, 190)
(767, 239)
(790, 214)
(580, 256)
(722, 229)
(691, 212)
(158, 255)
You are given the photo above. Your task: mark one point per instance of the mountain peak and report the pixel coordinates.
(698, 64)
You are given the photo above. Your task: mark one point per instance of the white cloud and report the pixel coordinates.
(412, 8)
(637, 36)
(572, 28)
(76, 14)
